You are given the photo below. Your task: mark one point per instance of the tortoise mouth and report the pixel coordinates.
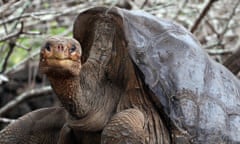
(59, 66)
(56, 62)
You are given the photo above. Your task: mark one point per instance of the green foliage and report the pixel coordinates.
(26, 45)
(57, 30)
(17, 55)
(46, 5)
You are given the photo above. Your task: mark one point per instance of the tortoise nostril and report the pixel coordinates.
(60, 47)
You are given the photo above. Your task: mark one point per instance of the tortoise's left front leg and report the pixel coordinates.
(38, 127)
(126, 127)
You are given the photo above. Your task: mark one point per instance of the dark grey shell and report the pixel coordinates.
(200, 96)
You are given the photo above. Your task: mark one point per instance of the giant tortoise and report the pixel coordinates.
(129, 77)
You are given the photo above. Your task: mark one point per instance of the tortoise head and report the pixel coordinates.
(60, 56)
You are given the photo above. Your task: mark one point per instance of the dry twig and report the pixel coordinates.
(233, 13)
(6, 120)
(11, 47)
(18, 66)
(13, 35)
(26, 95)
(201, 16)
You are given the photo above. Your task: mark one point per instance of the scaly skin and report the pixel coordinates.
(105, 99)
(38, 127)
(103, 93)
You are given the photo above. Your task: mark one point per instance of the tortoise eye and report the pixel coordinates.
(47, 47)
(72, 49)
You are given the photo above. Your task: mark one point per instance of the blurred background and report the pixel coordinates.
(24, 24)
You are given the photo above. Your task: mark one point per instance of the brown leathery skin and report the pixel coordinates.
(125, 127)
(199, 97)
(88, 104)
(155, 131)
(106, 84)
(82, 94)
(38, 127)
(104, 91)
(121, 71)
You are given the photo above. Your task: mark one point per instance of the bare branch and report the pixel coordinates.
(26, 95)
(34, 15)
(21, 64)
(6, 6)
(228, 20)
(11, 48)
(217, 44)
(211, 27)
(6, 120)
(12, 44)
(31, 33)
(3, 78)
(184, 3)
(12, 35)
(218, 51)
(202, 14)
(144, 3)
(23, 47)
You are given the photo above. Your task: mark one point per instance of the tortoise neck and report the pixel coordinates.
(88, 98)
(77, 92)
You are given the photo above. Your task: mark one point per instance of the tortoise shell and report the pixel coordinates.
(200, 96)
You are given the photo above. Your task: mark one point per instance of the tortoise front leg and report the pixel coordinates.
(126, 127)
(38, 127)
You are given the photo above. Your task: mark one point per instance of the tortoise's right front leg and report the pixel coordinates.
(126, 127)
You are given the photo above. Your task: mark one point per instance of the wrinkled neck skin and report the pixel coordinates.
(89, 97)
(86, 97)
